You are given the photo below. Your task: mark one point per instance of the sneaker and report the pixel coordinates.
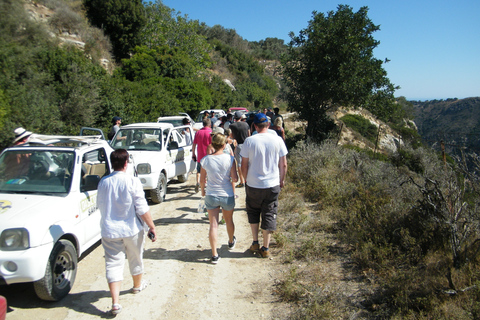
(197, 187)
(254, 247)
(264, 252)
(231, 245)
(240, 185)
(215, 259)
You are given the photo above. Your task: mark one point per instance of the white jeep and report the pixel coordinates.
(160, 152)
(48, 209)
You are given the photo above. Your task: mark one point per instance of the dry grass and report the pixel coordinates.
(354, 247)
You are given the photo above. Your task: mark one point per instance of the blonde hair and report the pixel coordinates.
(218, 141)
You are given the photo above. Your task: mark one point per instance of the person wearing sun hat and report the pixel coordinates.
(21, 136)
(264, 166)
(18, 164)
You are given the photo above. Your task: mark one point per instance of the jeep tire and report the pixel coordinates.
(159, 193)
(60, 272)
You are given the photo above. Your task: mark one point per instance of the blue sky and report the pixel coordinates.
(434, 46)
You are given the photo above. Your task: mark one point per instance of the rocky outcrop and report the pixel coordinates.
(64, 35)
(388, 139)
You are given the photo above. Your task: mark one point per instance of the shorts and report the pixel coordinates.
(115, 252)
(199, 167)
(214, 202)
(237, 156)
(262, 203)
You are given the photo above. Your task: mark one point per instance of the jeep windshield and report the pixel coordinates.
(36, 171)
(139, 139)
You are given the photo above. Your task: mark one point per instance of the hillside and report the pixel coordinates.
(455, 121)
(57, 67)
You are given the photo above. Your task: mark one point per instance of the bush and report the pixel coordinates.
(65, 18)
(412, 226)
(361, 125)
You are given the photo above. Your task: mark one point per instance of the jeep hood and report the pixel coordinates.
(23, 210)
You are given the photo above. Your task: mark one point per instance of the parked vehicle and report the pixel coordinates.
(218, 113)
(48, 209)
(160, 151)
(234, 109)
(176, 120)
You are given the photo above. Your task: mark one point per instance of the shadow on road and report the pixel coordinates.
(195, 256)
(23, 296)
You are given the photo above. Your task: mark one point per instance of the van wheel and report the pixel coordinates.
(60, 273)
(159, 193)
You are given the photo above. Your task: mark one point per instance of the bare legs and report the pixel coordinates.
(213, 232)
(266, 234)
(116, 285)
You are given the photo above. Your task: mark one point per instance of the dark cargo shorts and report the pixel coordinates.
(262, 203)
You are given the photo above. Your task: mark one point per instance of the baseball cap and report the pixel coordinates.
(260, 118)
(238, 114)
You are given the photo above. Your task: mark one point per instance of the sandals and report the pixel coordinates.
(143, 285)
(116, 308)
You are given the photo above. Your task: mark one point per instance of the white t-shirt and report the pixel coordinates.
(263, 151)
(120, 198)
(218, 174)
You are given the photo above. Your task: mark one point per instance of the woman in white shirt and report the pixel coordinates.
(220, 170)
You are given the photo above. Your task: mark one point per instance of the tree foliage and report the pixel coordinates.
(166, 27)
(330, 63)
(122, 21)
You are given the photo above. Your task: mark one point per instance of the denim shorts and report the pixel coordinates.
(213, 202)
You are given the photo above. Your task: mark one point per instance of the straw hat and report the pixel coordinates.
(21, 133)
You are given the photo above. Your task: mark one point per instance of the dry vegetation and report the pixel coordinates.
(366, 239)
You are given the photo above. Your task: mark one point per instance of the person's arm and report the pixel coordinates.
(210, 149)
(244, 168)
(203, 178)
(194, 148)
(282, 166)
(233, 171)
(147, 217)
(283, 133)
(141, 206)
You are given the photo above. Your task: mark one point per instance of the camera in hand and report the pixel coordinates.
(151, 235)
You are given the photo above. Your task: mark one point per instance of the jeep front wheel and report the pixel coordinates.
(159, 193)
(60, 273)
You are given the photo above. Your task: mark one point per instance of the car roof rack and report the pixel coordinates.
(43, 139)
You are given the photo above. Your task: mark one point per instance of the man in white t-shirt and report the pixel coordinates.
(264, 166)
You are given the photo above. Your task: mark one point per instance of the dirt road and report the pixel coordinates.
(183, 283)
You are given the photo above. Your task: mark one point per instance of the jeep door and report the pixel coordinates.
(94, 165)
(179, 147)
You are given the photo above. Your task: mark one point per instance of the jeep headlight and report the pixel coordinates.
(144, 168)
(14, 239)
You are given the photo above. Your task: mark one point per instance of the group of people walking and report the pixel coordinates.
(258, 161)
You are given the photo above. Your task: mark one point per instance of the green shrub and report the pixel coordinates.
(361, 125)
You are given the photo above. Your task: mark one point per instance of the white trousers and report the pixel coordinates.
(116, 250)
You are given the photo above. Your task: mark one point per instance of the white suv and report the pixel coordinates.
(48, 209)
(160, 152)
